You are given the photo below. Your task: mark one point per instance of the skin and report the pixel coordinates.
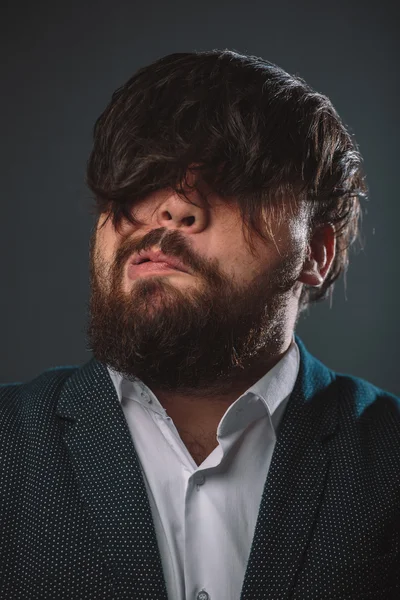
(211, 241)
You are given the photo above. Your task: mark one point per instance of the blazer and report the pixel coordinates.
(75, 519)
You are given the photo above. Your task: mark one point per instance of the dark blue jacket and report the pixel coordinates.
(75, 520)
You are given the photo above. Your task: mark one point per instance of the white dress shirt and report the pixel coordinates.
(205, 516)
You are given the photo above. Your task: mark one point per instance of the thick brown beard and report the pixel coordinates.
(184, 340)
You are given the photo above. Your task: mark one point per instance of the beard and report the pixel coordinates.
(189, 339)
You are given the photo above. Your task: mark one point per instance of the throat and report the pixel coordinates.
(199, 444)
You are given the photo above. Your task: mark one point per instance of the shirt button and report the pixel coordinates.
(200, 479)
(203, 595)
(144, 395)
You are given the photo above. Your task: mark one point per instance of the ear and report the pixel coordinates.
(320, 255)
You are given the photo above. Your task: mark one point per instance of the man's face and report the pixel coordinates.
(192, 330)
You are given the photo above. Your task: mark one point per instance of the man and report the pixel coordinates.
(203, 453)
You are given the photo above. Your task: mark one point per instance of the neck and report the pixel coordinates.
(223, 395)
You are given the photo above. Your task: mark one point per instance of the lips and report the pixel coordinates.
(159, 257)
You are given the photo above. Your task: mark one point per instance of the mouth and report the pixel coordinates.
(148, 267)
(156, 257)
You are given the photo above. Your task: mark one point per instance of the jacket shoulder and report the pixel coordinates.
(365, 394)
(368, 406)
(18, 401)
(357, 399)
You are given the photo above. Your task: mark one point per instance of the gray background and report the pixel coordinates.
(61, 63)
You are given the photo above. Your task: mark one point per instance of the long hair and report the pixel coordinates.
(251, 131)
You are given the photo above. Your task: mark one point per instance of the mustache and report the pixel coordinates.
(172, 243)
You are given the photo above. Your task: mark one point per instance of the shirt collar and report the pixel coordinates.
(271, 389)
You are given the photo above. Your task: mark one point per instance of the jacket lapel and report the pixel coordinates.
(295, 484)
(112, 487)
(111, 483)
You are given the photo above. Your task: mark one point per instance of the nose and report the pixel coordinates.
(177, 213)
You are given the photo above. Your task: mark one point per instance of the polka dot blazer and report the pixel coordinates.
(75, 519)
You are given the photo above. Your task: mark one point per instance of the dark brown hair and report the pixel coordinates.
(251, 131)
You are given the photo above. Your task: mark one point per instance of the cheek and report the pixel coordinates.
(240, 265)
(298, 230)
(298, 233)
(106, 242)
